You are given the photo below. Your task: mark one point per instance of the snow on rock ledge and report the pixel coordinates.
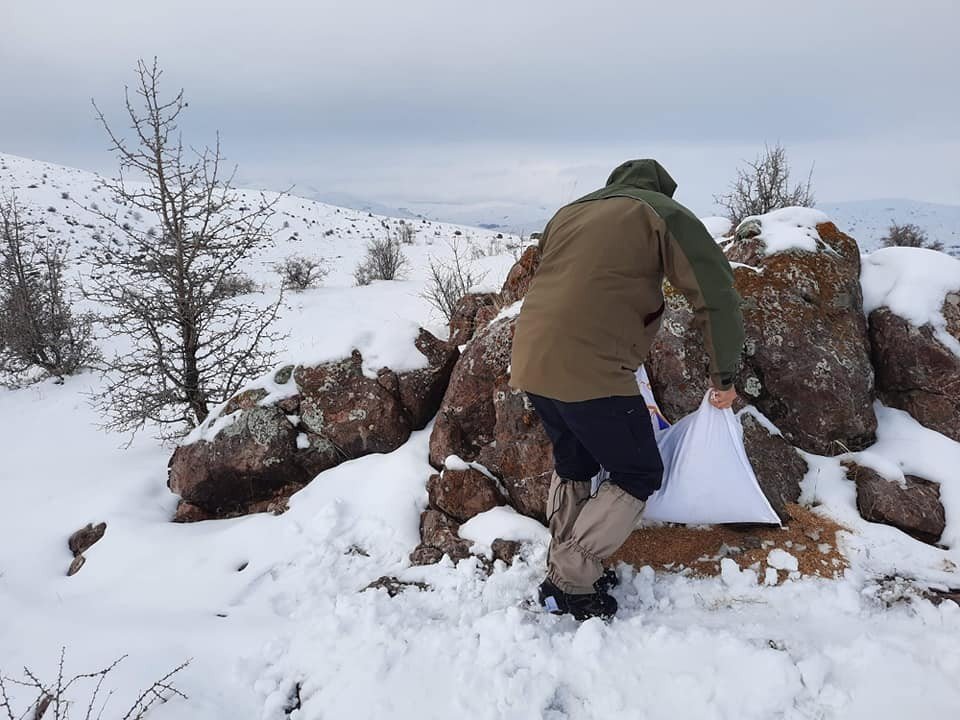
(912, 299)
(269, 440)
(792, 228)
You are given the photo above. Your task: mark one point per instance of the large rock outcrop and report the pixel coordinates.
(484, 420)
(916, 371)
(254, 453)
(806, 363)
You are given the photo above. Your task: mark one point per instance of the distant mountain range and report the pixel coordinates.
(865, 220)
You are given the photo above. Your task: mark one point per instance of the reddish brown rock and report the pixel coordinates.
(467, 418)
(916, 372)
(267, 452)
(520, 275)
(914, 507)
(520, 454)
(188, 512)
(778, 466)
(438, 533)
(78, 562)
(84, 538)
(356, 414)
(464, 321)
(482, 419)
(461, 494)
(806, 357)
(505, 550)
(249, 460)
(421, 391)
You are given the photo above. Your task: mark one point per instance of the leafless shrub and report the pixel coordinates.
(300, 273)
(406, 232)
(450, 280)
(909, 235)
(38, 328)
(171, 292)
(58, 697)
(384, 260)
(236, 285)
(764, 185)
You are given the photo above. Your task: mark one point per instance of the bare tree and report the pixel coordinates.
(57, 697)
(171, 290)
(37, 325)
(384, 260)
(450, 280)
(764, 185)
(909, 235)
(299, 272)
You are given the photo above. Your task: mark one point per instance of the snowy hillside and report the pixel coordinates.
(868, 220)
(341, 316)
(271, 609)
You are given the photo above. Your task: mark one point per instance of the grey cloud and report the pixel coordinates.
(450, 100)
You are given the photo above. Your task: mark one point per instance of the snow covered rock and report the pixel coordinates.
(912, 297)
(250, 459)
(806, 361)
(913, 507)
(421, 391)
(461, 494)
(271, 439)
(916, 372)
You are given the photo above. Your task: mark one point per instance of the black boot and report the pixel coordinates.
(582, 607)
(607, 582)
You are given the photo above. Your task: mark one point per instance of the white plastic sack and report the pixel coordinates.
(707, 478)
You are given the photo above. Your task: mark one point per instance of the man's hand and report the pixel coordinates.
(723, 399)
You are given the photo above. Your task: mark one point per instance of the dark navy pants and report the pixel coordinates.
(613, 432)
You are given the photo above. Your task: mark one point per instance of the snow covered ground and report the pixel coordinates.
(869, 220)
(269, 608)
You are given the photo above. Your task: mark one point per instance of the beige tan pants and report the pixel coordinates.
(586, 531)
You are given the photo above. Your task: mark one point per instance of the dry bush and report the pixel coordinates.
(171, 291)
(38, 328)
(237, 284)
(406, 232)
(55, 700)
(384, 260)
(764, 185)
(909, 235)
(450, 280)
(298, 272)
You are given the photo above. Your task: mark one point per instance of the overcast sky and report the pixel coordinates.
(527, 100)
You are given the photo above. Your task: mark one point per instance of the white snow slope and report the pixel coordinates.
(268, 607)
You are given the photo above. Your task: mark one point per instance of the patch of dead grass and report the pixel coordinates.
(809, 537)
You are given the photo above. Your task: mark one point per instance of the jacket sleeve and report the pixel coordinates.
(696, 266)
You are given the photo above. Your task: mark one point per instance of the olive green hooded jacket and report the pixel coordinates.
(594, 306)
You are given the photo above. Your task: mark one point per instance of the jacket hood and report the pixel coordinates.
(643, 174)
